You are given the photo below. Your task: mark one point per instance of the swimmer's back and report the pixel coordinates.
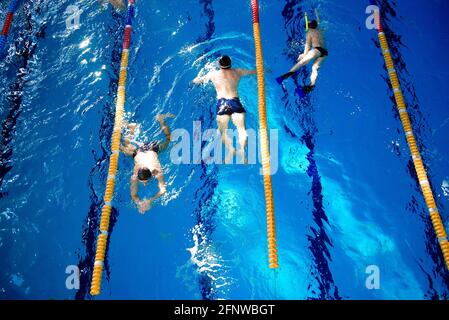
(316, 38)
(226, 83)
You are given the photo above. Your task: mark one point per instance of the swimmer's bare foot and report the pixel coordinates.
(229, 156)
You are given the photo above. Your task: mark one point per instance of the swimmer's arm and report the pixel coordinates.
(202, 79)
(145, 205)
(166, 129)
(162, 187)
(142, 205)
(134, 188)
(245, 72)
(163, 146)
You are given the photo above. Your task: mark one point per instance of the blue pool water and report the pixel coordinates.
(346, 195)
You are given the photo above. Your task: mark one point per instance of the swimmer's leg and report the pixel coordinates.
(165, 128)
(315, 68)
(312, 54)
(238, 119)
(223, 122)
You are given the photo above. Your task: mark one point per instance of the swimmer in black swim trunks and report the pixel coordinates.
(146, 162)
(118, 4)
(226, 82)
(313, 50)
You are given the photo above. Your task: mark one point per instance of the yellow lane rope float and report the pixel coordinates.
(113, 160)
(271, 223)
(307, 19)
(417, 160)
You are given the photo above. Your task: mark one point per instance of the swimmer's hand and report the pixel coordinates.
(300, 57)
(144, 205)
(130, 126)
(202, 79)
(197, 80)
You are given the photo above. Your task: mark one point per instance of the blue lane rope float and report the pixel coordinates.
(12, 8)
(113, 160)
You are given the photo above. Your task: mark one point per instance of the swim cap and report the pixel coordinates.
(144, 174)
(313, 24)
(225, 62)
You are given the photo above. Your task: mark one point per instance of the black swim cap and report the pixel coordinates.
(144, 174)
(225, 62)
(313, 24)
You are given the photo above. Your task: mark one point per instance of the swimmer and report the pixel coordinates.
(314, 50)
(118, 4)
(229, 107)
(146, 162)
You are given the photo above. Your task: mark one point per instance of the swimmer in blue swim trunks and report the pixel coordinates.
(314, 50)
(226, 82)
(146, 162)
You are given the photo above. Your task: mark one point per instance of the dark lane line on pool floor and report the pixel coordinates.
(25, 48)
(206, 208)
(319, 241)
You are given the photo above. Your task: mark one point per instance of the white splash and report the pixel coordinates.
(206, 260)
(84, 44)
(445, 188)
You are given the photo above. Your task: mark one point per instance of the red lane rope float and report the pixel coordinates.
(113, 161)
(8, 23)
(271, 223)
(416, 156)
(12, 7)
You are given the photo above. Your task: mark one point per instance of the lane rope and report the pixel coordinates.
(12, 8)
(416, 156)
(113, 160)
(271, 223)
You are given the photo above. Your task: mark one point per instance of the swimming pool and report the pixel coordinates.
(346, 194)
